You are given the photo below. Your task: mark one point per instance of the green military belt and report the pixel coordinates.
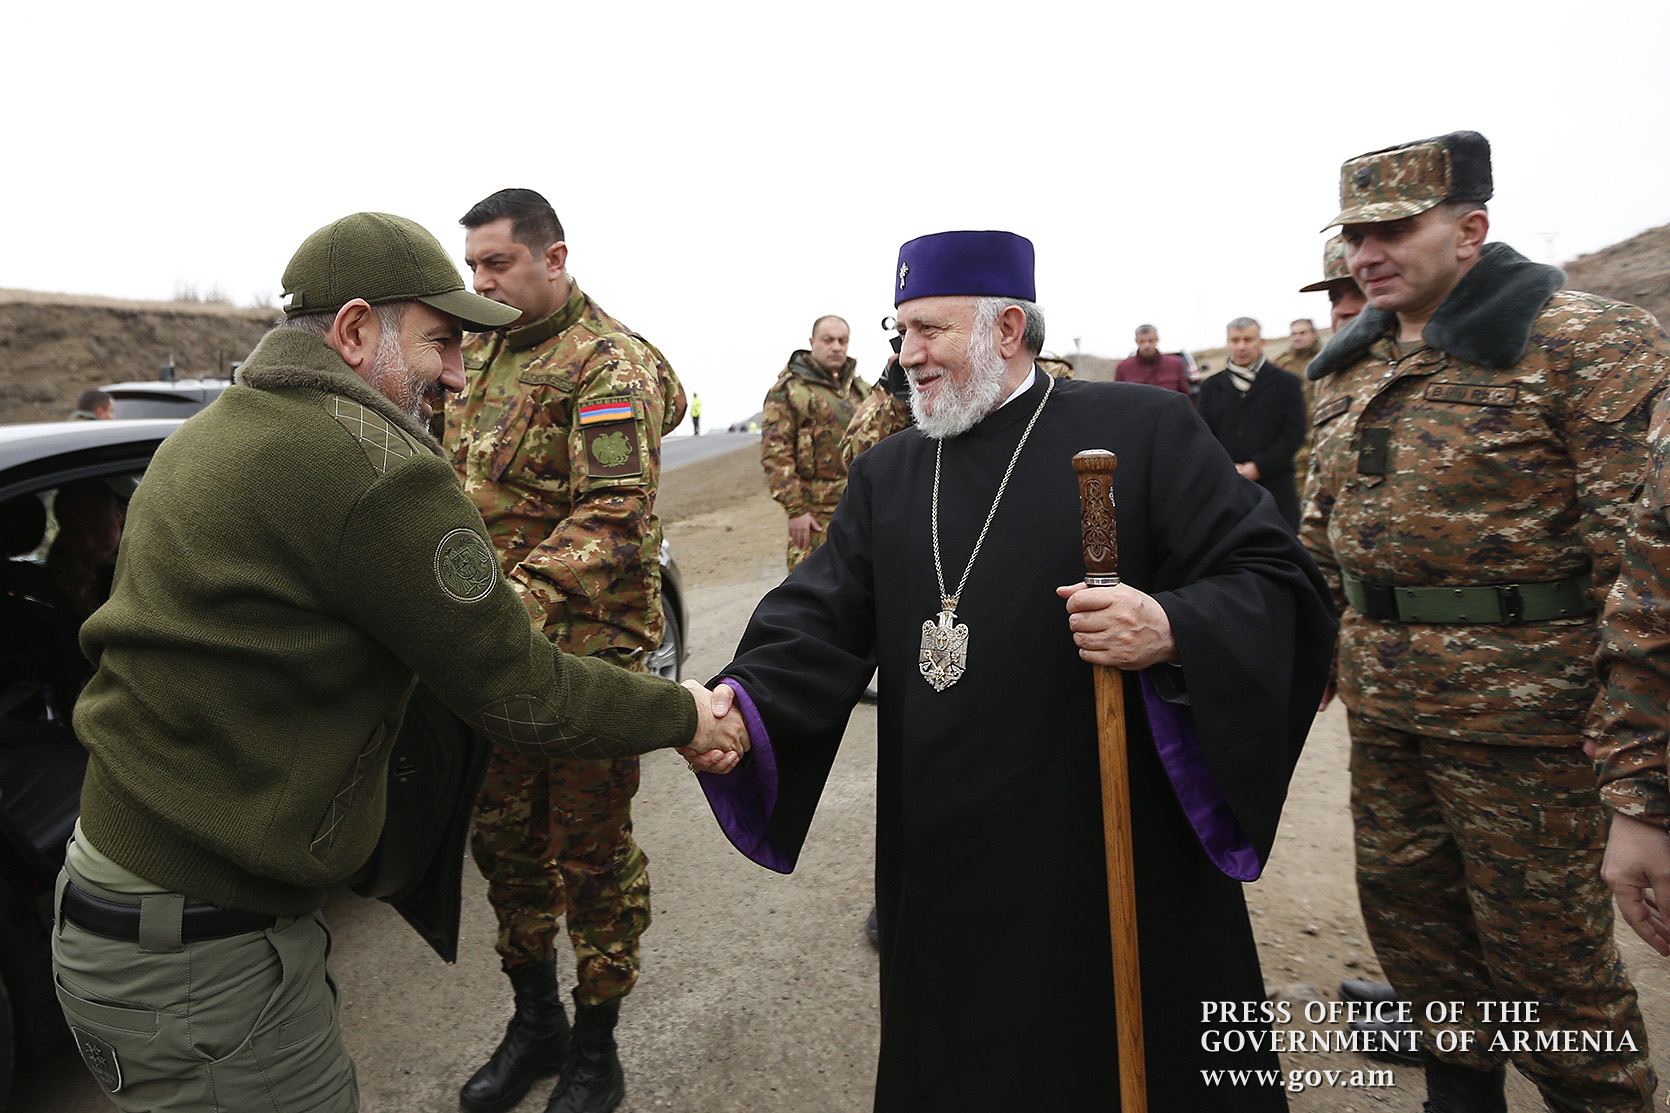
(1501, 604)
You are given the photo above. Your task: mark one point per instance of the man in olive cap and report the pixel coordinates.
(948, 564)
(1478, 431)
(297, 556)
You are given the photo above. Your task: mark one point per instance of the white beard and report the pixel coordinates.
(957, 409)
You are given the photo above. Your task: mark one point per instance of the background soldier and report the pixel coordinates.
(807, 410)
(1303, 348)
(1345, 299)
(1477, 434)
(1635, 660)
(557, 436)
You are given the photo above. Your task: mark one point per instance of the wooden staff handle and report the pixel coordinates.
(1095, 469)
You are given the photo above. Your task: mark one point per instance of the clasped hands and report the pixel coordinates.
(721, 735)
(1118, 626)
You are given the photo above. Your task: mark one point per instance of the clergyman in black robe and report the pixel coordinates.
(996, 975)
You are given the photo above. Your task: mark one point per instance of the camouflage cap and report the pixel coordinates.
(1408, 180)
(1333, 265)
(382, 258)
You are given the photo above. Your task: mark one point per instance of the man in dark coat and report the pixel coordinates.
(988, 789)
(1257, 412)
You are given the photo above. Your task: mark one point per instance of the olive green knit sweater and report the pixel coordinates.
(295, 556)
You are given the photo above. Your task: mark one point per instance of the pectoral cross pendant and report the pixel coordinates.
(944, 648)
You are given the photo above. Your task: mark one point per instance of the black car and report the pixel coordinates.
(418, 865)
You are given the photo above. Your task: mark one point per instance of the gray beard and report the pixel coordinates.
(393, 379)
(957, 409)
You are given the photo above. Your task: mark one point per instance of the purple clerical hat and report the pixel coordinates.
(976, 264)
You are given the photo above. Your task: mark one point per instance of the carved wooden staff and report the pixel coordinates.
(1101, 569)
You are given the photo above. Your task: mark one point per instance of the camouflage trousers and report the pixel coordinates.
(1478, 869)
(556, 836)
(798, 553)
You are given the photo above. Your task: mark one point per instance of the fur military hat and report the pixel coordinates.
(382, 258)
(977, 264)
(1409, 179)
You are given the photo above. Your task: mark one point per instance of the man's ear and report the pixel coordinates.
(1471, 231)
(354, 333)
(556, 260)
(1011, 326)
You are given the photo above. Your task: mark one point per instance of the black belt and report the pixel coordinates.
(115, 920)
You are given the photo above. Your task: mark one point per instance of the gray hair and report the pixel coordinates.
(390, 316)
(1244, 322)
(988, 310)
(1144, 330)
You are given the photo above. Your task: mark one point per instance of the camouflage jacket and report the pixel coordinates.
(557, 436)
(1503, 452)
(877, 418)
(1635, 650)
(800, 440)
(1298, 362)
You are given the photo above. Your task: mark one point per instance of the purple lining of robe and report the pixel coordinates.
(743, 800)
(1173, 727)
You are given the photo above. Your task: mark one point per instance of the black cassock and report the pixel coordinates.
(996, 978)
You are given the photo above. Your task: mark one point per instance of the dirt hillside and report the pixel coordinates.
(54, 346)
(1636, 270)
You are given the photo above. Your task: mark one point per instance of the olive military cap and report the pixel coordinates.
(1408, 180)
(382, 258)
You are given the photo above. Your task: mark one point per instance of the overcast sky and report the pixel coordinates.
(726, 172)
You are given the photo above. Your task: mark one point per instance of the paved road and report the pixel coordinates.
(676, 451)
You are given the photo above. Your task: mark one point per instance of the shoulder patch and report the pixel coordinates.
(1330, 410)
(465, 566)
(384, 444)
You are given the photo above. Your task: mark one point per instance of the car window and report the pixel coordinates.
(154, 405)
(61, 546)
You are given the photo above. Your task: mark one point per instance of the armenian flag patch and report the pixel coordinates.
(610, 410)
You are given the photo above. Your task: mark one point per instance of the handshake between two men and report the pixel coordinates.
(721, 735)
(1116, 626)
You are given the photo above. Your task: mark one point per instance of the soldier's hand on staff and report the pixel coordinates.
(1637, 867)
(1118, 626)
(721, 737)
(801, 529)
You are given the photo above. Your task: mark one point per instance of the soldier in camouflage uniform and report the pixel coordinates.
(1478, 431)
(1635, 660)
(1305, 345)
(557, 436)
(1345, 300)
(807, 410)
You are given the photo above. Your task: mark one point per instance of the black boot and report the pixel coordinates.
(533, 1046)
(592, 1081)
(1453, 1089)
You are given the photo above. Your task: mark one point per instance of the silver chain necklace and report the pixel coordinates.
(944, 654)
